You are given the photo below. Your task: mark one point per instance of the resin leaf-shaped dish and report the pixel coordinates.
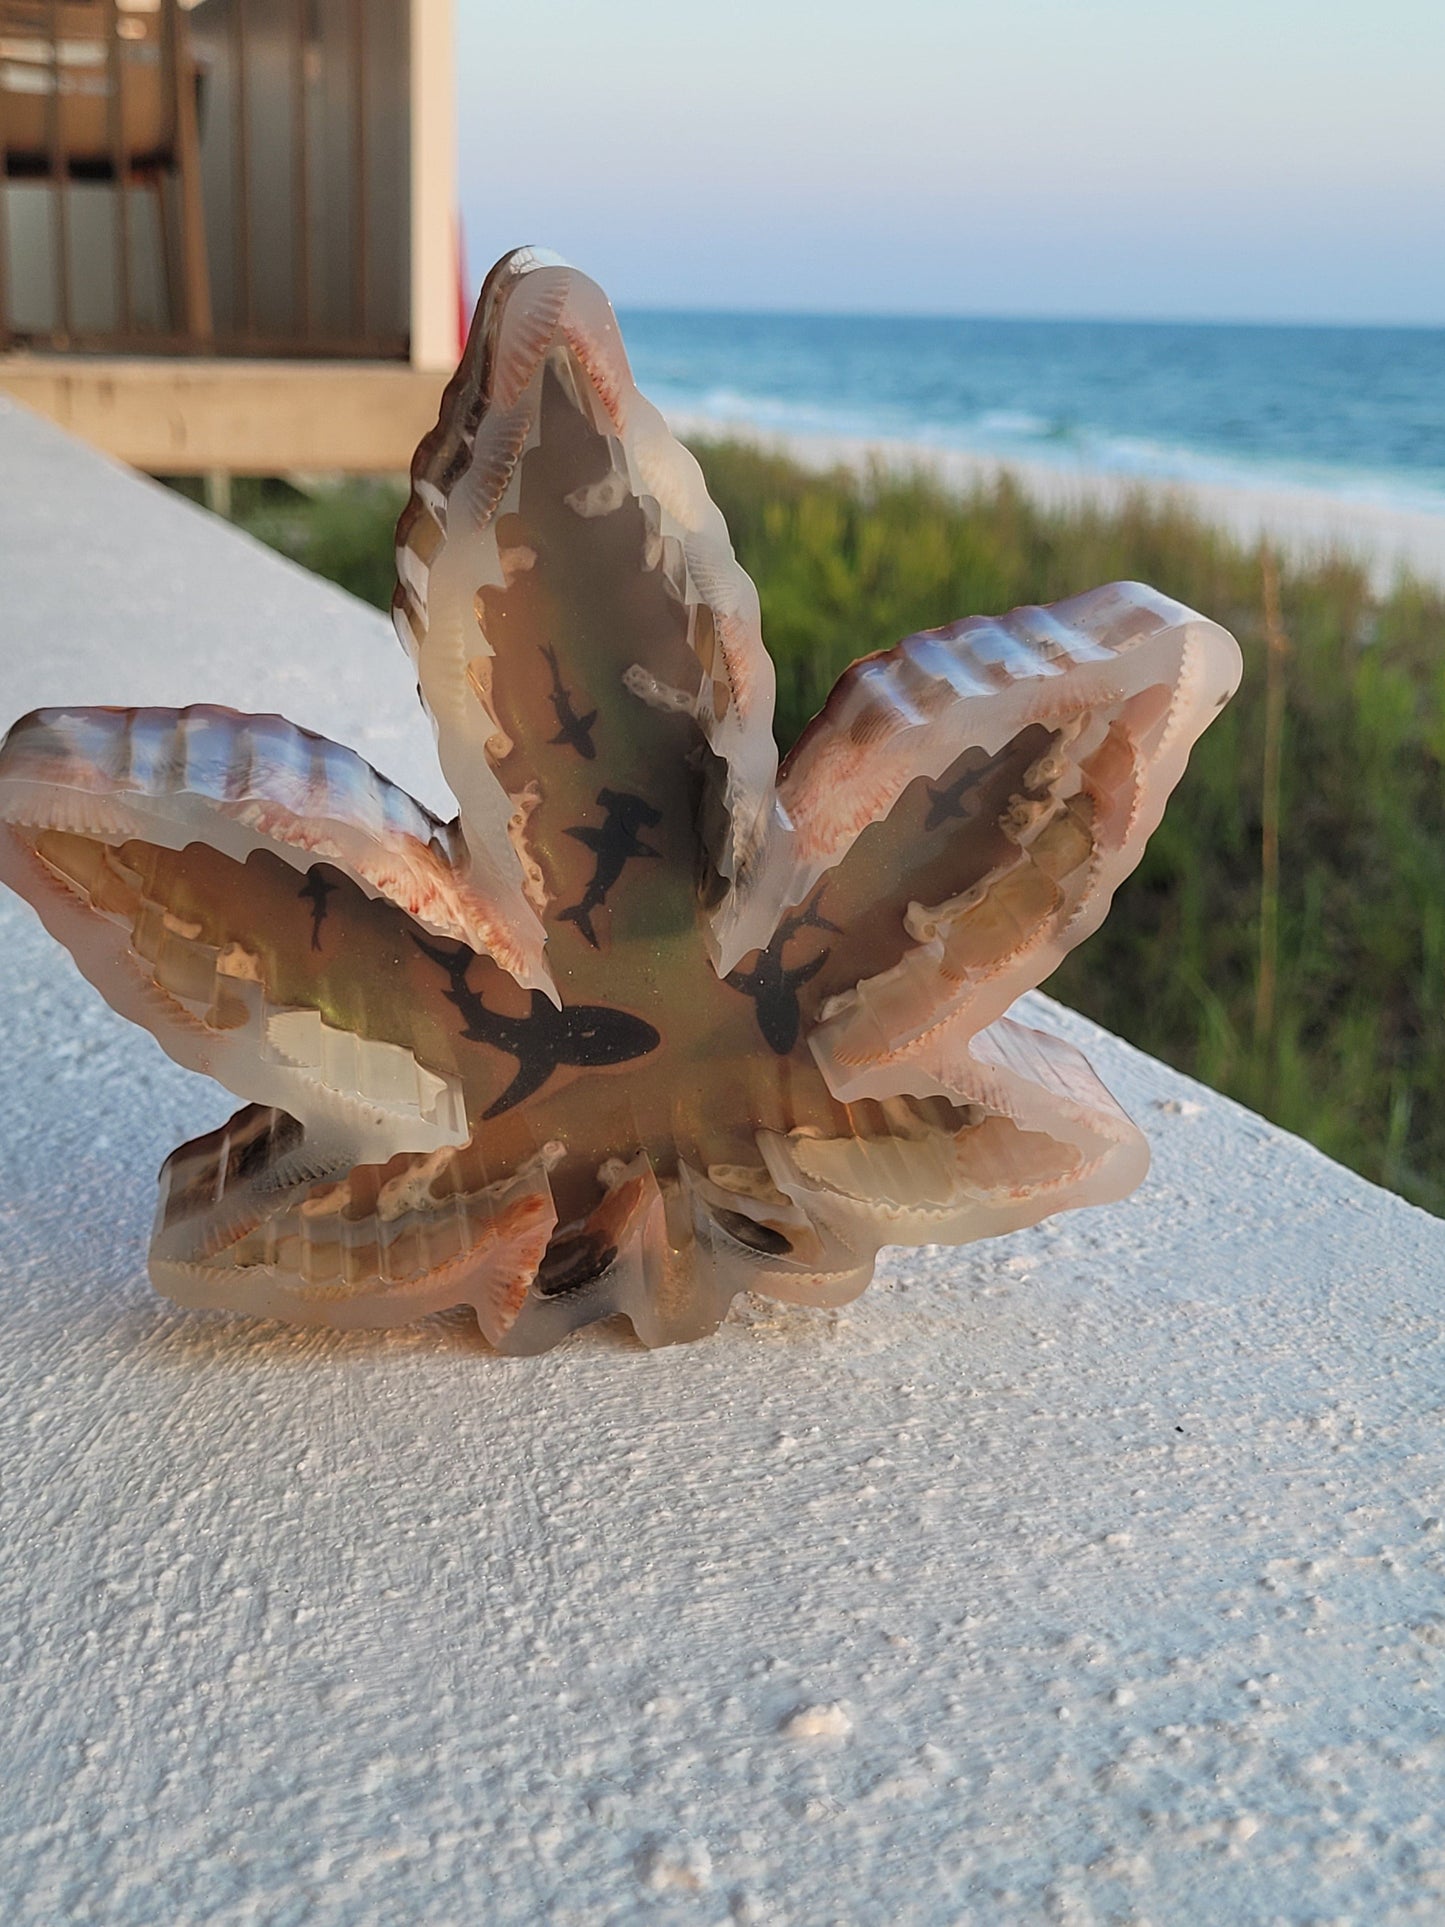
(653, 1021)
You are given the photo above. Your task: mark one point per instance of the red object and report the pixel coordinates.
(464, 305)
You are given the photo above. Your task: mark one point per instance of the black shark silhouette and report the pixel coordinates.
(573, 730)
(613, 844)
(946, 803)
(315, 891)
(585, 1034)
(774, 985)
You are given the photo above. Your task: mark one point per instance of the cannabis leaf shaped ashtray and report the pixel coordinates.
(653, 1021)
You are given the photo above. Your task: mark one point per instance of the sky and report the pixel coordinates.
(1272, 160)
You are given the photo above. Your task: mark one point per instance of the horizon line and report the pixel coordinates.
(1084, 319)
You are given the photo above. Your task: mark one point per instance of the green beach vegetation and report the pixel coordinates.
(1284, 937)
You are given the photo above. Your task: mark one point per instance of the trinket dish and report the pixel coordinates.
(654, 1020)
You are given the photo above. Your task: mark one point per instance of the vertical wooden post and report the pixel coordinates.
(433, 135)
(194, 267)
(119, 167)
(5, 327)
(241, 174)
(300, 172)
(359, 183)
(59, 180)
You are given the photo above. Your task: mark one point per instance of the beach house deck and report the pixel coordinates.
(228, 231)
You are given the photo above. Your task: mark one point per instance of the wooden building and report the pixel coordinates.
(228, 229)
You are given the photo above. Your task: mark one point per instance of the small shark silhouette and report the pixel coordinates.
(774, 985)
(585, 1034)
(942, 804)
(315, 891)
(612, 845)
(574, 730)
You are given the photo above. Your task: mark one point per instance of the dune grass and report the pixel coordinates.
(1284, 936)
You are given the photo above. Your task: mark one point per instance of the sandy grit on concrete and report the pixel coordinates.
(1097, 1574)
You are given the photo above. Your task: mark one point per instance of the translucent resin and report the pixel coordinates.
(653, 1021)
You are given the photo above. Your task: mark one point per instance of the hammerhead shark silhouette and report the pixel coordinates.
(573, 730)
(774, 985)
(944, 803)
(315, 890)
(586, 1034)
(613, 844)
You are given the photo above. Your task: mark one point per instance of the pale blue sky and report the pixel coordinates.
(1240, 159)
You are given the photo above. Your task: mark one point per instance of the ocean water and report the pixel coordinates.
(1358, 412)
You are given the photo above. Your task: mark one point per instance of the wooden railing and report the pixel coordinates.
(234, 121)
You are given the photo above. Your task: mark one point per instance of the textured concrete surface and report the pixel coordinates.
(1094, 1575)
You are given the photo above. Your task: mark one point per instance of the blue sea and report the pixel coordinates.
(1358, 412)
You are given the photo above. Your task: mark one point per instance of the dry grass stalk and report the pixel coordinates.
(1276, 654)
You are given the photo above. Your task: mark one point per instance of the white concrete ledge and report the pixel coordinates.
(1097, 1574)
